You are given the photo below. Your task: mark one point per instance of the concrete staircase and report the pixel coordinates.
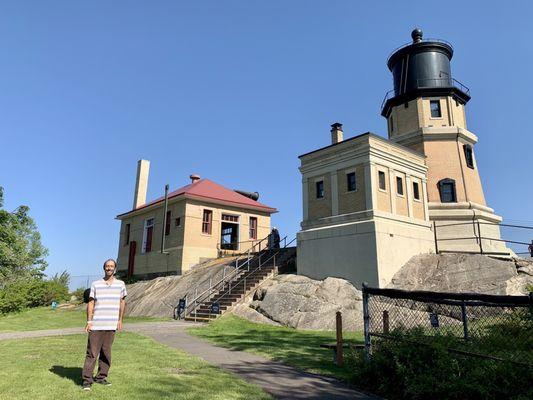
(242, 284)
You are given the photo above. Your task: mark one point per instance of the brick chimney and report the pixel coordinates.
(336, 133)
(141, 183)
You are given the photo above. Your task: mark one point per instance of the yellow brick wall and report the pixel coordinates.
(199, 246)
(351, 201)
(319, 208)
(404, 119)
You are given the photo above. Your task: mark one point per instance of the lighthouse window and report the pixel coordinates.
(469, 156)
(447, 191)
(416, 191)
(434, 106)
(320, 190)
(381, 178)
(350, 182)
(399, 186)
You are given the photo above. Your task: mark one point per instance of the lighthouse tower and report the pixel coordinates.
(426, 112)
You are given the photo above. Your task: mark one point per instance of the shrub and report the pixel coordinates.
(406, 369)
(31, 292)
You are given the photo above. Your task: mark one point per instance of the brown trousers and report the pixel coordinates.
(98, 346)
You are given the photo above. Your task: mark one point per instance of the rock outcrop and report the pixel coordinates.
(464, 273)
(304, 303)
(158, 297)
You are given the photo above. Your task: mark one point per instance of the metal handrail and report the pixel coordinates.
(452, 82)
(423, 40)
(238, 268)
(258, 268)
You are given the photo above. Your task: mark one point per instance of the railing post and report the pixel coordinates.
(338, 325)
(386, 325)
(259, 260)
(210, 284)
(479, 233)
(435, 236)
(366, 320)
(224, 274)
(465, 320)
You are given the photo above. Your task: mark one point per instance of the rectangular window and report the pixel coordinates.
(434, 106)
(320, 189)
(147, 237)
(167, 222)
(350, 182)
(382, 183)
(177, 222)
(469, 156)
(127, 236)
(253, 228)
(230, 218)
(416, 191)
(399, 186)
(207, 222)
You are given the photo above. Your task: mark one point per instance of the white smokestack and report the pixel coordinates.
(141, 184)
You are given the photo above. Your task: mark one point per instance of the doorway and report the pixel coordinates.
(229, 236)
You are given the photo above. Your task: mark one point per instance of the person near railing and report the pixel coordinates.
(530, 248)
(273, 239)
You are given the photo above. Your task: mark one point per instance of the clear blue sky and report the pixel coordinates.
(233, 91)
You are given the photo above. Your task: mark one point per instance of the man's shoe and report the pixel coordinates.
(104, 382)
(86, 386)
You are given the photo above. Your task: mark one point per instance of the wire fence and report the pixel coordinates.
(482, 237)
(486, 327)
(82, 281)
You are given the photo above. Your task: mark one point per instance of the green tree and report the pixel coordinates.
(21, 253)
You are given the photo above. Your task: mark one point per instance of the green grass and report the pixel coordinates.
(50, 368)
(46, 318)
(294, 347)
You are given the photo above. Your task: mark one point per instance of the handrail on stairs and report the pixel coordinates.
(273, 256)
(190, 307)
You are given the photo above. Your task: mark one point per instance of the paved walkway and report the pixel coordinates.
(281, 381)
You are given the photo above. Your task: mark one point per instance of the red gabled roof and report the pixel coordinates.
(207, 189)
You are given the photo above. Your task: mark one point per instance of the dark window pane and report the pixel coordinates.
(382, 184)
(206, 221)
(435, 108)
(320, 189)
(469, 156)
(399, 185)
(350, 182)
(447, 191)
(416, 191)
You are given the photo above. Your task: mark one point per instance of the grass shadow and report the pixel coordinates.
(72, 373)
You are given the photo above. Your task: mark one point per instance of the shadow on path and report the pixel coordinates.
(72, 373)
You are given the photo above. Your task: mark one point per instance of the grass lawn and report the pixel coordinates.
(45, 318)
(294, 347)
(50, 368)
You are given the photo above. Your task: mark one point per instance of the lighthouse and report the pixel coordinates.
(426, 111)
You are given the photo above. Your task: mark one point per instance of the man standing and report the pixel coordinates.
(105, 311)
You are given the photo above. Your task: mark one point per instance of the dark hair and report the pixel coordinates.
(110, 259)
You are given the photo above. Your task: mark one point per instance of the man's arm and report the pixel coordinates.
(90, 313)
(121, 313)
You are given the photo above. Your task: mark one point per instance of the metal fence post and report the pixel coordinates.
(479, 233)
(465, 320)
(435, 236)
(338, 329)
(366, 319)
(386, 324)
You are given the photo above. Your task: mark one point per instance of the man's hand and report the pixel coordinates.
(119, 326)
(88, 327)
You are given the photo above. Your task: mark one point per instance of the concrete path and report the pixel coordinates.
(280, 380)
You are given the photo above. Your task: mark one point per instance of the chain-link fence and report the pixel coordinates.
(82, 281)
(493, 328)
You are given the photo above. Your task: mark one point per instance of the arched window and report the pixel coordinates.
(447, 191)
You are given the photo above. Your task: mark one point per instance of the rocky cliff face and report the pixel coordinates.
(464, 273)
(158, 297)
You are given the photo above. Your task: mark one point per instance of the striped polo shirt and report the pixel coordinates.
(107, 304)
